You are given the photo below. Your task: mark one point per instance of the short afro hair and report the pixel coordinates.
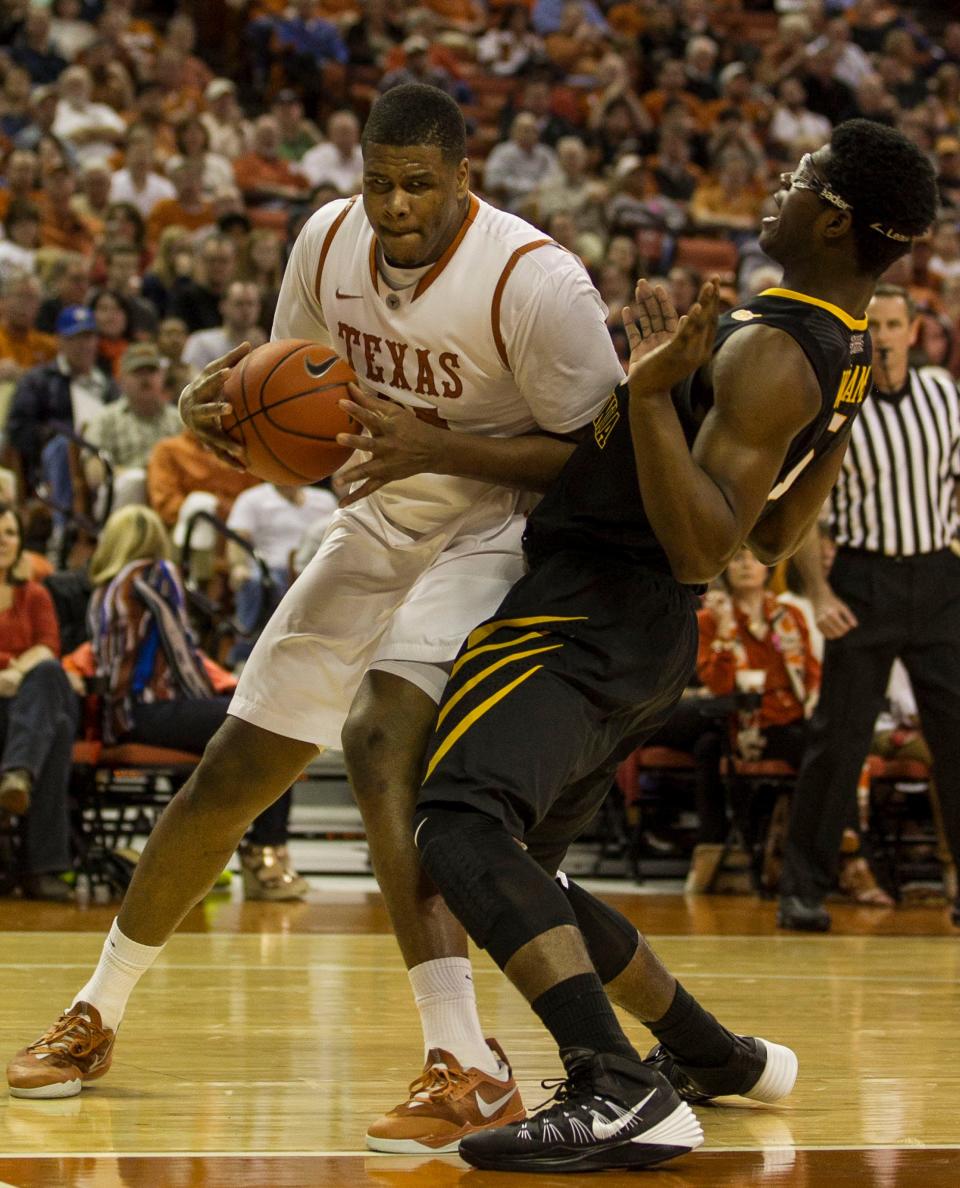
(889, 183)
(416, 114)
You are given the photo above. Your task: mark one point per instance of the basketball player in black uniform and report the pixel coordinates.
(709, 445)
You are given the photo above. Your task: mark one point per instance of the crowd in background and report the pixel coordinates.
(157, 162)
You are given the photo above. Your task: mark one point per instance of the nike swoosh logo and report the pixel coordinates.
(348, 296)
(319, 369)
(489, 1108)
(609, 1130)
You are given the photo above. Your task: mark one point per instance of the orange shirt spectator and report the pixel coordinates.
(262, 174)
(26, 348)
(188, 209)
(179, 465)
(671, 88)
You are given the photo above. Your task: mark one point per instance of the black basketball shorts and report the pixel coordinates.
(584, 659)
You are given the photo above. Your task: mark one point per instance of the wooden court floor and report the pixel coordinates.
(268, 1036)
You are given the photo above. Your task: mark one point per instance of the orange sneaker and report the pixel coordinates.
(446, 1102)
(77, 1048)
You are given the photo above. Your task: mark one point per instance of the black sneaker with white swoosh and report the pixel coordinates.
(610, 1111)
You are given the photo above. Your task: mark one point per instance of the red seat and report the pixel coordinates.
(761, 769)
(896, 769)
(663, 759)
(92, 753)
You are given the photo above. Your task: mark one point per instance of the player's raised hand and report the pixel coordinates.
(665, 348)
(397, 444)
(202, 407)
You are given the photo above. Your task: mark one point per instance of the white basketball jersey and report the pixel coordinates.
(504, 333)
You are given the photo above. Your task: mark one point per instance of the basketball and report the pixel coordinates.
(284, 397)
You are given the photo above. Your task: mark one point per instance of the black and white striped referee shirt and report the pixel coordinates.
(895, 493)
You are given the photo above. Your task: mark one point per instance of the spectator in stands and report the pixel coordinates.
(21, 173)
(68, 31)
(417, 68)
(128, 429)
(683, 284)
(188, 209)
(517, 166)
(193, 146)
(261, 263)
(195, 74)
(948, 170)
(826, 95)
(672, 89)
(43, 111)
(21, 346)
(66, 393)
(38, 722)
(93, 129)
(265, 179)
(69, 283)
(548, 15)
(122, 261)
(945, 262)
(124, 224)
(62, 227)
(92, 199)
(338, 161)
(172, 269)
(180, 468)
(33, 49)
(111, 315)
(273, 519)
(138, 182)
(297, 134)
(18, 252)
(671, 170)
(851, 64)
(165, 695)
(240, 310)
(732, 201)
(635, 202)
(172, 337)
(14, 102)
(510, 46)
(874, 102)
(794, 126)
(197, 299)
(572, 188)
(700, 61)
(229, 131)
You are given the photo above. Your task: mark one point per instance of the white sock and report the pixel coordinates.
(445, 998)
(122, 963)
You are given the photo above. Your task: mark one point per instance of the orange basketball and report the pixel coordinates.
(285, 410)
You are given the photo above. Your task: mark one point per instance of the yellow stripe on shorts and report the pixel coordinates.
(465, 723)
(475, 680)
(498, 647)
(485, 630)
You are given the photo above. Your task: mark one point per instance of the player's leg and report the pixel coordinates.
(509, 735)
(243, 770)
(384, 741)
(701, 1057)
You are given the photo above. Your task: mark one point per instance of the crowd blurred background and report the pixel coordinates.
(157, 162)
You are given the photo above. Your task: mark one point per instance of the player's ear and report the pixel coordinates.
(463, 178)
(834, 224)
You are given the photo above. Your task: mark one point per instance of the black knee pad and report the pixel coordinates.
(494, 888)
(611, 939)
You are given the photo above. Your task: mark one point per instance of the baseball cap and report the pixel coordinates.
(218, 88)
(947, 144)
(75, 319)
(139, 356)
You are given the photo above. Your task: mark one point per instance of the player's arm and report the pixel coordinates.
(702, 504)
(400, 445)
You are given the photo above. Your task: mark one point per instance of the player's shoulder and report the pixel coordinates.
(316, 227)
(515, 235)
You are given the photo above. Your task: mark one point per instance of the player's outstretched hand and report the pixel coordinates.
(397, 443)
(202, 408)
(665, 348)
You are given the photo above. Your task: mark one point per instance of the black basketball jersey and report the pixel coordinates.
(595, 504)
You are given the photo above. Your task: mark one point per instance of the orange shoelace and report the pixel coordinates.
(435, 1082)
(71, 1034)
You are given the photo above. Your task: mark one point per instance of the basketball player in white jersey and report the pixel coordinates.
(491, 341)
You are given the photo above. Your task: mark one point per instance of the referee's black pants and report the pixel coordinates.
(907, 608)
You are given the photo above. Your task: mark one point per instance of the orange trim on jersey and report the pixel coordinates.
(328, 240)
(848, 320)
(373, 265)
(498, 295)
(428, 278)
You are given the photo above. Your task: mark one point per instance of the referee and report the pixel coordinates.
(894, 591)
